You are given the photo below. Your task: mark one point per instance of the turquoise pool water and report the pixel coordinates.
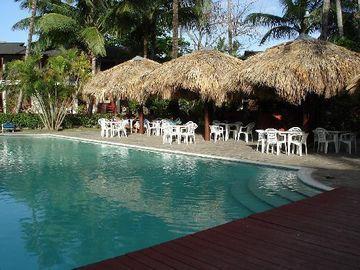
(65, 203)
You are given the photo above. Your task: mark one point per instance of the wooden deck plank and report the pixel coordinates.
(311, 252)
(204, 249)
(322, 232)
(299, 241)
(265, 251)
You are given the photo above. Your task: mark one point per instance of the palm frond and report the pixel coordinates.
(264, 19)
(57, 22)
(278, 32)
(94, 40)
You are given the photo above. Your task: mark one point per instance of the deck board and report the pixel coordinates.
(322, 232)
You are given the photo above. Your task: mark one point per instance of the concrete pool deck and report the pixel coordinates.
(334, 170)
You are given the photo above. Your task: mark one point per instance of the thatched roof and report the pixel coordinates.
(295, 69)
(200, 74)
(354, 85)
(121, 81)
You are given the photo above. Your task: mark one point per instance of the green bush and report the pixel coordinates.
(83, 120)
(22, 120)
(32, 121)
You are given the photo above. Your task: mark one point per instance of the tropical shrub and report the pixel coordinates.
(53, 87)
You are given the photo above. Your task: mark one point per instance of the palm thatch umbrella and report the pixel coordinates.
(196, 75)
(122, 81)
(354, 85)
(296, 69)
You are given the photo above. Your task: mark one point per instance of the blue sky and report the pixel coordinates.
(11, 13)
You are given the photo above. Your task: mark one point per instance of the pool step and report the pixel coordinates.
(241, 193)
(267, 195)
(302, 189)
(289, 194)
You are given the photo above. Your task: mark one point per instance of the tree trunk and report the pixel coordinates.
(146, 45)
(141, 119)
(230, 26)
(175, 26)
(339, 18)
(28, 49)
(207, 121)
(93, 64)
(325, 20)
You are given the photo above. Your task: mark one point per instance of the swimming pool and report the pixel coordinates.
(67, 203)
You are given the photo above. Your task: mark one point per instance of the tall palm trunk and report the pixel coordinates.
(230, 26)
(28, 48)
(146, 45)
(325, 20)
(339, 18)
(93, 63)
(175, 26)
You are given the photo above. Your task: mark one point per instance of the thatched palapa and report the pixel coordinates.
(200, 74)
(122, 81)
(354, 86)
(295, 69)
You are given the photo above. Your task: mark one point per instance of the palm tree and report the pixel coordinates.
(339, 17)
(293, 23)
(325, 20)
(80, 23)
(175, 28)
(32, 5)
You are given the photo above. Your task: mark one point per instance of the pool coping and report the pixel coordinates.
(303, 173)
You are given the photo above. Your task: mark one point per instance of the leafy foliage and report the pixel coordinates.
(52, 87)
(295, 20)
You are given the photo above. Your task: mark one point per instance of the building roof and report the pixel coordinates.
(12, 48)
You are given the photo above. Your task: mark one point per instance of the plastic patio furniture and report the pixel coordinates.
(234, 129)
(298, 141)
(261, 140)
(188, 132)
(273, 138)
(216, 132)
(169, 134)
(120, 128)
(349, 139)
(324, 138)
(154, 128)
(7, 127)
(105, 126)
(247, 131)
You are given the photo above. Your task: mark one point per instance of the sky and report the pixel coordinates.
(11, 13)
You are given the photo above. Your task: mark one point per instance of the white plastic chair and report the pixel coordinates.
(295, 129)
(247, 131)
(316, 139)
(120, 129)
(349, 139)
(261, 141)
(216, 132)
(273, 138)
(154, 128)
(188, 132)
(234, 129)
(105, 126)
(298, 141)
(324, 138)
(169, 134)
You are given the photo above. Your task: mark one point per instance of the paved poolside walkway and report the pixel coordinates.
(317, 233)
(332, 169)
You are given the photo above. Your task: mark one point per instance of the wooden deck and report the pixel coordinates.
(322, 232)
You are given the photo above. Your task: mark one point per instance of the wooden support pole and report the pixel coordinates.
(207, 121)
(141, 119)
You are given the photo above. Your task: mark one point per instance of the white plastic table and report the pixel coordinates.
(227, 127)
